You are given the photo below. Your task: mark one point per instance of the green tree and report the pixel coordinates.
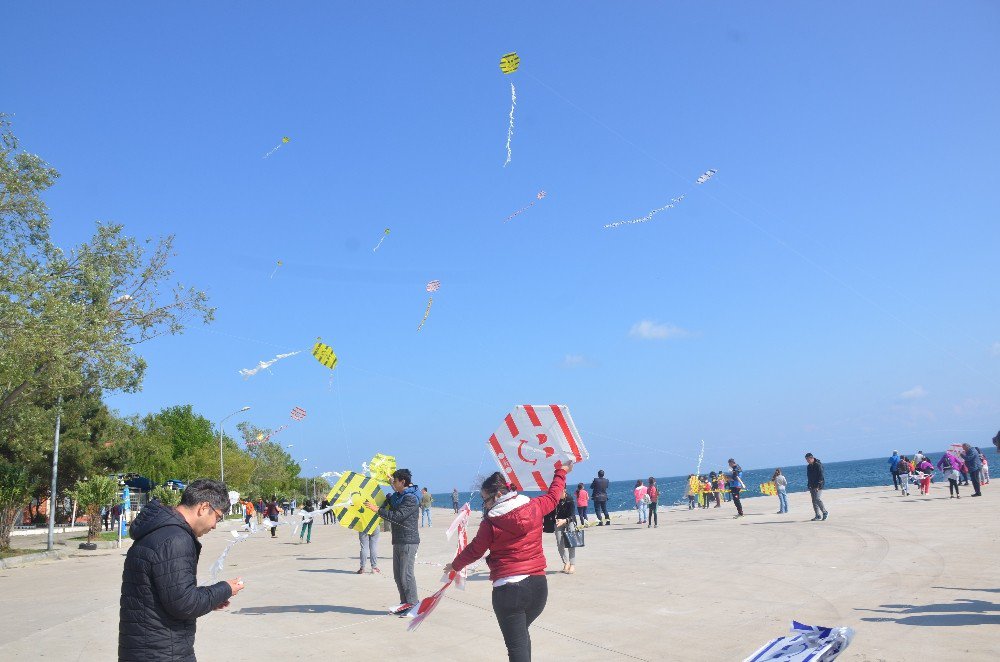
(166, 496)
(15, 490)
(91, 494)
(70, 322)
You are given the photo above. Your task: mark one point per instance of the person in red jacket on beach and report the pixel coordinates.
(511, 531)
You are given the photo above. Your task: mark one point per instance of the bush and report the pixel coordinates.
(166, 496)
(92, 494)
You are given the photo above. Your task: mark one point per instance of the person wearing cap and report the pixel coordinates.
(816, 480)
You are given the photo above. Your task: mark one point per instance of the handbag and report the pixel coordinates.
(572, 536)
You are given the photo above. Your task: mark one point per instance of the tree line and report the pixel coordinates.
(71, 323)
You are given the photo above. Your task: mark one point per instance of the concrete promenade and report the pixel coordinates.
(917, 578)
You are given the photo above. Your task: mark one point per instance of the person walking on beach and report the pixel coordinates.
(692, 491)
(401, 510)
(949, 465)
(327, 514)
(735, 485)
(816, 481)
(599, 488)
(974, 464)
(307, 521)
(511, 530)
(926, 470)
(454, 500)
(717, 487)
(640, 501)
(272, 514)
(653, 494)
(582, 499)
(781, 486)
(160, 597)
(894, 468)
(259, 509)
(247, 512)
(369, 550)
(425, 507)
(557, 522)
(904, 469)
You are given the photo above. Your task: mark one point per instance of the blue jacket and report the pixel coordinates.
(972, 459)
(893, 462)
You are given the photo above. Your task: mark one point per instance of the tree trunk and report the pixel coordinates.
(93, 522)
(8, 516)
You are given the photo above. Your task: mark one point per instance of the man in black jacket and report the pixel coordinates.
(160, 597)
(402, 510)
(814, 474)
(599, 490)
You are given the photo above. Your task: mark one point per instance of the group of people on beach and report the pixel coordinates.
(961, 464)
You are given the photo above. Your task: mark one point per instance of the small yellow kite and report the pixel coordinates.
(325, 355)
(381, 468)
(509, 63)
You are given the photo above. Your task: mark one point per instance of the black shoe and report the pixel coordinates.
(825, 515)
(600, 524)
(816, 519)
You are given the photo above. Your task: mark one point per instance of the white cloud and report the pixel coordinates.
(914, 393)
(574, 361)
(648, 330)
(995, 349)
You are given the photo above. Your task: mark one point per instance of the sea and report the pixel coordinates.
(852, 473)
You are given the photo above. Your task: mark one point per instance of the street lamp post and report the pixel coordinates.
(222, 466)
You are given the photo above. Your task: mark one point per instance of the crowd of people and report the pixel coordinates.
(157, 619)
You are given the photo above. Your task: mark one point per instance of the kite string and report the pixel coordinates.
(343, 424)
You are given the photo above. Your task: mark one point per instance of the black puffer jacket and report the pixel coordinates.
(403, 517)
(160, 598)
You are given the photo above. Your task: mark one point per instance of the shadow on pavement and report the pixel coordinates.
(307, 609)
(961, 612)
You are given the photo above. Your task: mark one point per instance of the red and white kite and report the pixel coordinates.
(531, 440)
(298, 413)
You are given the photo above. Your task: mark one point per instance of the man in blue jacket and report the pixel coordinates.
(402, 510)
(816, 481)
(894, 468)
(161, 600)
(974, 461)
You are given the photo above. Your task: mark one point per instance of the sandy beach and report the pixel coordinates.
(915, 576)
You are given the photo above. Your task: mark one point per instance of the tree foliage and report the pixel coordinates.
(91, 494)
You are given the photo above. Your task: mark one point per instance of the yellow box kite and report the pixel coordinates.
(348, 497)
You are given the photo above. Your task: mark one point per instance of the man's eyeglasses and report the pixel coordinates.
(219, 515)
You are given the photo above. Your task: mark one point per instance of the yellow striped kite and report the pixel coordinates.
(381, 468)
(348, 497)
(325, 355)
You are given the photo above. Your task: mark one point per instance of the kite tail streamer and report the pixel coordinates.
(379, 243)
(510, 128)
(427, 312)
(701, 456)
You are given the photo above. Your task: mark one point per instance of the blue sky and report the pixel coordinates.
(832, 289)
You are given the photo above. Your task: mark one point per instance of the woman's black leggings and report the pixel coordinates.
(582, 512)
(653, 517)
(516, 606)
(952, 486)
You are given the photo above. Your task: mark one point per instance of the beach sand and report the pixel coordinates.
(915, 576)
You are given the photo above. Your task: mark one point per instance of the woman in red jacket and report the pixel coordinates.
(511, 531)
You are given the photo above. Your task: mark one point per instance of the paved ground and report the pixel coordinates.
(916, 577)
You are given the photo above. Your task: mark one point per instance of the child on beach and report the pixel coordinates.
(692, 491)
(926, 470)
(781, 485)
(582, 499)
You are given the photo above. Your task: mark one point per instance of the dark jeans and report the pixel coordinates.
(516, 606)
(975, 481)
(582, 512)
(895, 479)
(653, 517)
(736, 499)
(598, 507)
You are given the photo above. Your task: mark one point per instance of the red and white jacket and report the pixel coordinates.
(512, 533)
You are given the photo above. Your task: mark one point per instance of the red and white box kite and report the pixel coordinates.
(532, 440)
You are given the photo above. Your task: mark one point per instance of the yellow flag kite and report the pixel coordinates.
(768, 488)
(509, 63)
(381, 468)
(348, 497)
(325, 355)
